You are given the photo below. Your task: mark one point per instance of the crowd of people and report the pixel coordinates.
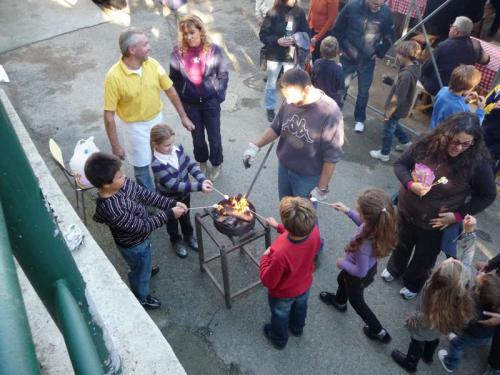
(447, 174)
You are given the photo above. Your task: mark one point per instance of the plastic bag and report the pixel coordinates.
(423, 174)
(83, 149)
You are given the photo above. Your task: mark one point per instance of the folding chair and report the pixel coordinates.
(72, 178)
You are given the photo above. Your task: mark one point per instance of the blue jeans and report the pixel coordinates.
(273, 71)
(449, 239)
(365, 79)
(287, 313)
(391, 128)
(458, 346)
(138, 258)
(291, 184)
(143, 177)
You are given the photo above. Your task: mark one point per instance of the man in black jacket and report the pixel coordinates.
(364, 29)
(458, 49)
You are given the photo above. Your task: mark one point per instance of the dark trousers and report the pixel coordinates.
(316, 53)
(206, 117)
(184, 221)
(494, 358)
(425, 245)
(418, 349)
(287, 313)
(352, 288)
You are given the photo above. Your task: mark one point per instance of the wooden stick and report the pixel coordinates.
(201, 208)
(221, 193)
(262, 217)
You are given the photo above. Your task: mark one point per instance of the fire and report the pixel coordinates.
(235, 206)
(238, 203)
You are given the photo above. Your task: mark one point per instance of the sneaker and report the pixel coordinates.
(331, 299)
(180, 249)
(155, 270)
(402, 147)
(383, 336)
(442, 355)
(270, 115)
(192, 242)
(151, 303)
(204, 168)
(377, 154)
(407, 294)
(451, 336)
(267, 333)
(359, 127)
(215, 172)
(402, 359)
(386, 276)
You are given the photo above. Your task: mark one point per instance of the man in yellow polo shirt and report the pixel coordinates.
(132, 91)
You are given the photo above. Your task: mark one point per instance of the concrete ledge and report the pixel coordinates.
(135, 337)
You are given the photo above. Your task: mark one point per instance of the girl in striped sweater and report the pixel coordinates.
(171, 168)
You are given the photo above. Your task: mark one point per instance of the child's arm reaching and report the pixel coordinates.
(280, 228)
(467, 243)
(339, 206)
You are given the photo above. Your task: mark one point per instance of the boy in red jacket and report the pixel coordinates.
(286, 269)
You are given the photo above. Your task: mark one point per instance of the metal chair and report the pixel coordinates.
(73, 179)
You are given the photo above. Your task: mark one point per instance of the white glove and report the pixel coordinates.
(316, 194)
(250, 154)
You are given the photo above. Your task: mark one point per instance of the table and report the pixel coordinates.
(489, 73)
(403, 6)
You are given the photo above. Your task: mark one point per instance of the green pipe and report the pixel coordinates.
(36, 239)
(78, 340)
(17, 351)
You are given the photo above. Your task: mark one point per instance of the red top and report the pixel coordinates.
(287, 270)
(322, 15)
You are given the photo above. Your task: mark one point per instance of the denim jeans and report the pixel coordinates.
(291, 184)
(294, 184)
(449, 239)
(285, 313)
(458, 346)
(143, 177)
(273, 71)
(206, 117)
(391, 128)
(365, 79)
(138, 258)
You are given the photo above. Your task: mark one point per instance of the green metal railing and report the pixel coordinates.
(40, 249)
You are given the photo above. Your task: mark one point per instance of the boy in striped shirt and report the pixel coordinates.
(122, 205)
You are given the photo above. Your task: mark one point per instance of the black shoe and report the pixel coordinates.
(151, 303)
(192, 242)
(331, 299)
(384, 339)
(267, 333)
(180, 249)
(296, 333)
(155, 270)
(270, 115)
(401, 359)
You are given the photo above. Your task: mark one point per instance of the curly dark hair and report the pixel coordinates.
(379, 223)
(433, 147)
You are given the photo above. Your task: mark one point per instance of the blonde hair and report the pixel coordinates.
(464, 77)
(160, 133)
(197, 23)
(379, 223)
(297, 215)
(447, 304)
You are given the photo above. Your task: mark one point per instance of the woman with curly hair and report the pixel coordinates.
(200, 76)
(456, 154)
(375, 238)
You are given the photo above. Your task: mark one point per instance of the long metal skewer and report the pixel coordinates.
(255, 213)
(220, 192)
(260, 169)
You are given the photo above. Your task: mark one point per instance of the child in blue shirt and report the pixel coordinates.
(457, 95)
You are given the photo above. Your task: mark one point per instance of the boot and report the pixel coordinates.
(410, 360)
(429, 349)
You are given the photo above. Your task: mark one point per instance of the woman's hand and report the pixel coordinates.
(339, 206)
(286, 42)
(207, 186)
(419, 189)
(272, 222)
(443, 220)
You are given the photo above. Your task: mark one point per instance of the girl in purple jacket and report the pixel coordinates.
(375, 238)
